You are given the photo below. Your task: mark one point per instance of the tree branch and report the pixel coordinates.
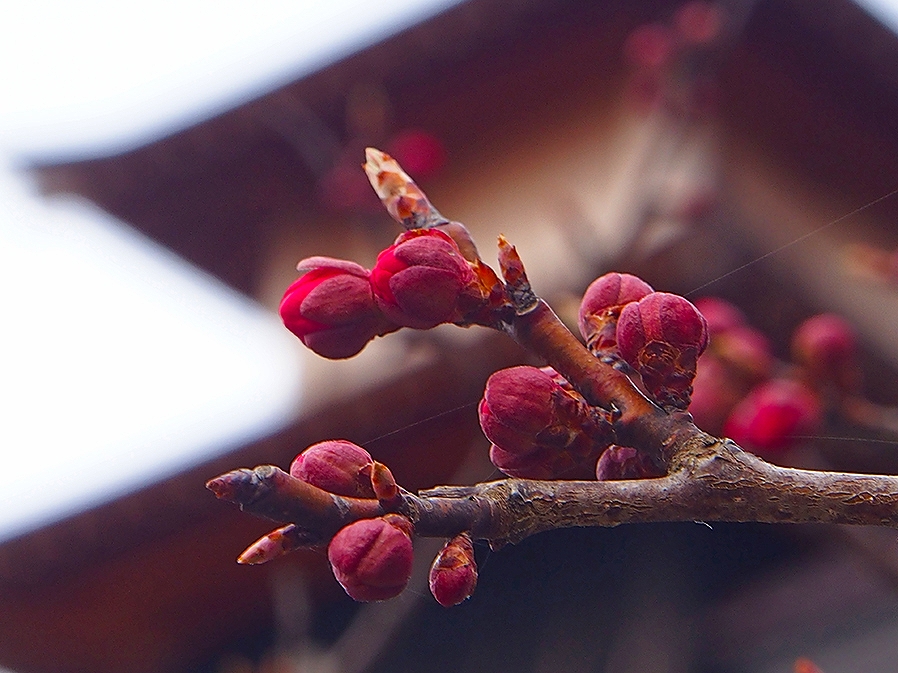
(724, 483)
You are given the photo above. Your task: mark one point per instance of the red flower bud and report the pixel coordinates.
(720, 314)
(601, 306)
(336, 466)
(661, 336)
(826, 346)
(423, 280)
(453, 575)
(772, 414)
(546, 462)
(372, 558)
(516, 406)
(540, 427)
(624, 462)
(331, 308)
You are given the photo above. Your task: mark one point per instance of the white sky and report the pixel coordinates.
(119, 362)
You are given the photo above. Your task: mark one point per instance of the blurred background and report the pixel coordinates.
(164, 167)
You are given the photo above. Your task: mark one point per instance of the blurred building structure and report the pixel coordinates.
(545, 121)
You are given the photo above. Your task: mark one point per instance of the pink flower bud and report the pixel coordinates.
(372, 558)
(540, 427)
(768, 419)
(331, 308)
(661, 336)
(545, 463)
(720, 314)
(337, 466)
(453, 575)
(826, 346)
(516, 406)
(423, 280)
(624, 462)
(601, 306)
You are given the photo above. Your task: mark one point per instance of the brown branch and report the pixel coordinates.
(724, 484)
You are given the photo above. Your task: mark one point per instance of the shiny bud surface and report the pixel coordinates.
(372, 558)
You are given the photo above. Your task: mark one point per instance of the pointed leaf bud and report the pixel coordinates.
(274, 544)
(624, 462)
(661, 336)
(601, 306)
(826, 347)
(768, 419)
(372, 558)
(331, 308)
(453, 575)
(423, 280)
(337, 466)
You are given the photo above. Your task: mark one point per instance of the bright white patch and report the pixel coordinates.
(119, 362)
(96, 76)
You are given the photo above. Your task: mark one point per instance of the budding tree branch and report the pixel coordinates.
(707, 479)
(720, 482)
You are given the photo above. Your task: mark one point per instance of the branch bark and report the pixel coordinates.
(724, 483)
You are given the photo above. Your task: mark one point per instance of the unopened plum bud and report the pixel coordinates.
(540, 427)
(516, 406)
(624, 462)
(773, 415)
(331, 308)
(423, 280)
(826, 347)
(601, 306)
(372, 558)
(661, 336)
(337, 466)
(545, 462)
(453, 575)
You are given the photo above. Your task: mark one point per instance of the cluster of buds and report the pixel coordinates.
(741, 391)
(371, 558)
(336, 307)
(540, 427)
(660, 335)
